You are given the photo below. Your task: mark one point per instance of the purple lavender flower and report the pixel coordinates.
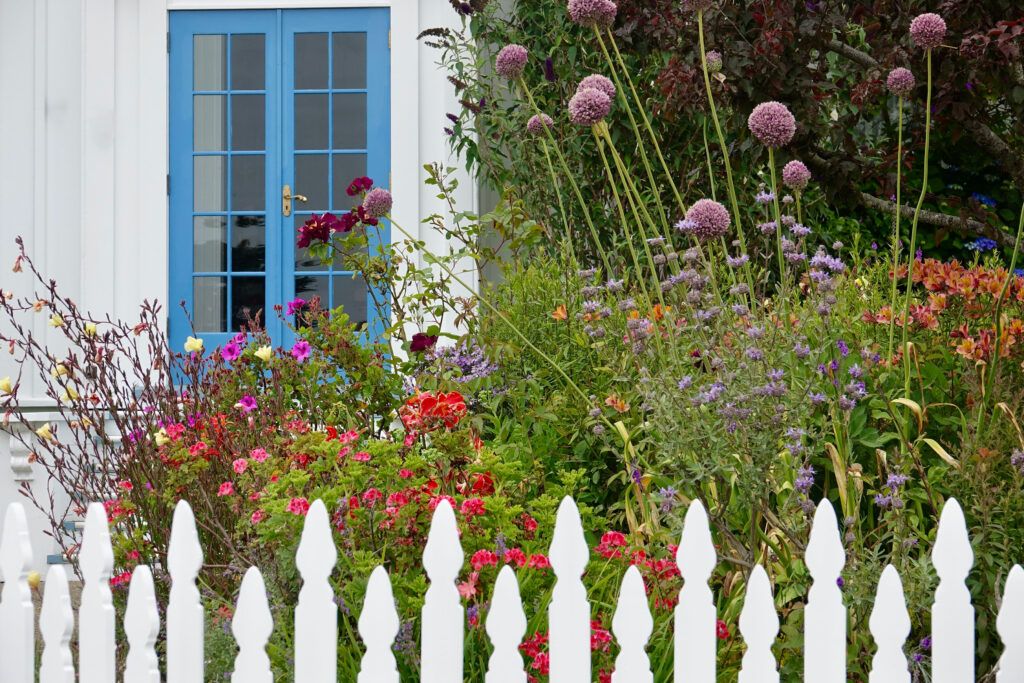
(795, 175)
(737, 261)
(928, 30)
(765, 197)
(668, 499)
(772, 123)
(589, 106)
(804, 479)
(598, 82)
(511, 61)
(901, 82)
(843, 348)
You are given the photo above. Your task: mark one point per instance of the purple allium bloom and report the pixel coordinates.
(709, 219)
(231, 351)
(928, 30)
(598, 82)
(772, 123)
(247, 404)
(714, 60)
(296, 305)
(698, 5)
(787, 199)
(537, 124)
(600, 13)
(302, 350)
(378, 202)
(901, 82)
(589, 106)
(511, 61)
(796, 175)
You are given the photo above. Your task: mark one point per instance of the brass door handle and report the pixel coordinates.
(287, 197)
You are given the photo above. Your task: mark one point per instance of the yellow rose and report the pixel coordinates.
(90, 329)
(33, 580)
(56, 321)
(59, 370)
(45, 432)
(265, 353)
(5, 385)
(193, 345)
(161, 437)
(69, 394)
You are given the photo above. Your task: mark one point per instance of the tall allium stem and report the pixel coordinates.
(783, 285)
(572, 181)
(896, 229)
(913, 228)
(561, 206)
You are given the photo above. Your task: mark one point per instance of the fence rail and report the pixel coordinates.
(316, 625)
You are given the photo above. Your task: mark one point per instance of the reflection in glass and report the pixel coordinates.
(303, 261)
(248, 295)
(311, 180)
(350, 293)
(311, 122)
(248, 244)
(248, 192)
(309, 287)
(248, 122)
(209, 66)
(210, 183)
(349, 60)
(247, 62)
(347, 167)
(209, 244)
(349, 120)
(210, 115)
(209, 296)
(310, 61)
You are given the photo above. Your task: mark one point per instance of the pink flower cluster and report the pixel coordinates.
(593, 13)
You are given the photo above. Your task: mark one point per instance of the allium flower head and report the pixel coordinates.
(714, 60)
(708, 219)
(772, 123)
(598, 82)
(511, 61)
(795, 175)
(900, 82)
(589, 106)
(928, 30)
(378, 202)
(698, 5)
(537, 124)
(600, 13)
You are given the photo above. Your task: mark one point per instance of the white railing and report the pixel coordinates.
(316, 628)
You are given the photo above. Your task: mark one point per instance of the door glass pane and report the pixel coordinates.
(210, 123)
(209, 244)
(311, 180)
(248, 243)
(248, 295)
(349, 60)
(349, 121)
(209, 299)
(303, 261)
(209, 65)
(210, 183)
(310, 61)
(309, 287)
(346, 168)
(248, 183)
(311, 122)
(248, 122)
(247, 62)
(350, 293)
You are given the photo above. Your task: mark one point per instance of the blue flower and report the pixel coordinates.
(982, 199)
(982, 244)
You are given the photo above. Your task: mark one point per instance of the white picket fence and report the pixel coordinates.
(316, 628)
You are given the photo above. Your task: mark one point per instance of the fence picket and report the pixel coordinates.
(443, 620)
(184, 607)
(56, 622)
(506, 626)
(952, 612)
(825, 614)
(632, 626)
(1010, 626)
(890, 626)
(17, 615)
(569, 610)
(141, 626)
(316, 615)
(759, 624)
(378, 626)
(695, 616)
(252, 626)
(97, 648)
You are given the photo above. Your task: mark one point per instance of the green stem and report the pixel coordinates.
(1010, 277)
(778, 236)
(561, 205)
(896, 230)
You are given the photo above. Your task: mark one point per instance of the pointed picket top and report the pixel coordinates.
(569, 610)
(952, 612)
(442, 617)
(759, 624)
(378, 626)
(185, 621)
(506, 626)
(97, 648)
(890, 626)
(56, 622)
(695, 615)
(17, 615)
(632, 625)
(825, 614)
(141, 626)
(316, 615)
(952, 554)
(1010, 626)
(252, 626)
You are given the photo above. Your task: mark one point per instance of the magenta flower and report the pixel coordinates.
(589, 106)
(795, 175)
(226, 489)
(707, 219)
(772, 123)
(588, 13)
(231, 351)
(928, 30)
(537, 124)
(901, 82)
(302, 350)
(246, 404)
(598, 82)
(296, 305)
(511, 61)
(378, 202)
(714, 59)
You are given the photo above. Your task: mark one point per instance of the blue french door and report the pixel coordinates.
(272, 114)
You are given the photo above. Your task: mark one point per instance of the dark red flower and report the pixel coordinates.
(361, 184)
(318, 228)
(421, 341)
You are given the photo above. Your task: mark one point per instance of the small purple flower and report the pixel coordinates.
(247, 404)
(511, 61)
(296, 305)
(709, 219)
(928, 30)
(589, 106)
(714, 60)
(843, 348)
(537, 124)
(840, 582)
(772, 123)
(378, 202)
(231, 352)
(796, 175)
(901, 82)
(598, 82)
(302, 350)
(549, 70)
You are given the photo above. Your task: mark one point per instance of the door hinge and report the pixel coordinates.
(168, 184)
(168, 42)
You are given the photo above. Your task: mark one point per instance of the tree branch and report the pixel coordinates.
(990, 141)
(960, 225)
(853, 54)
